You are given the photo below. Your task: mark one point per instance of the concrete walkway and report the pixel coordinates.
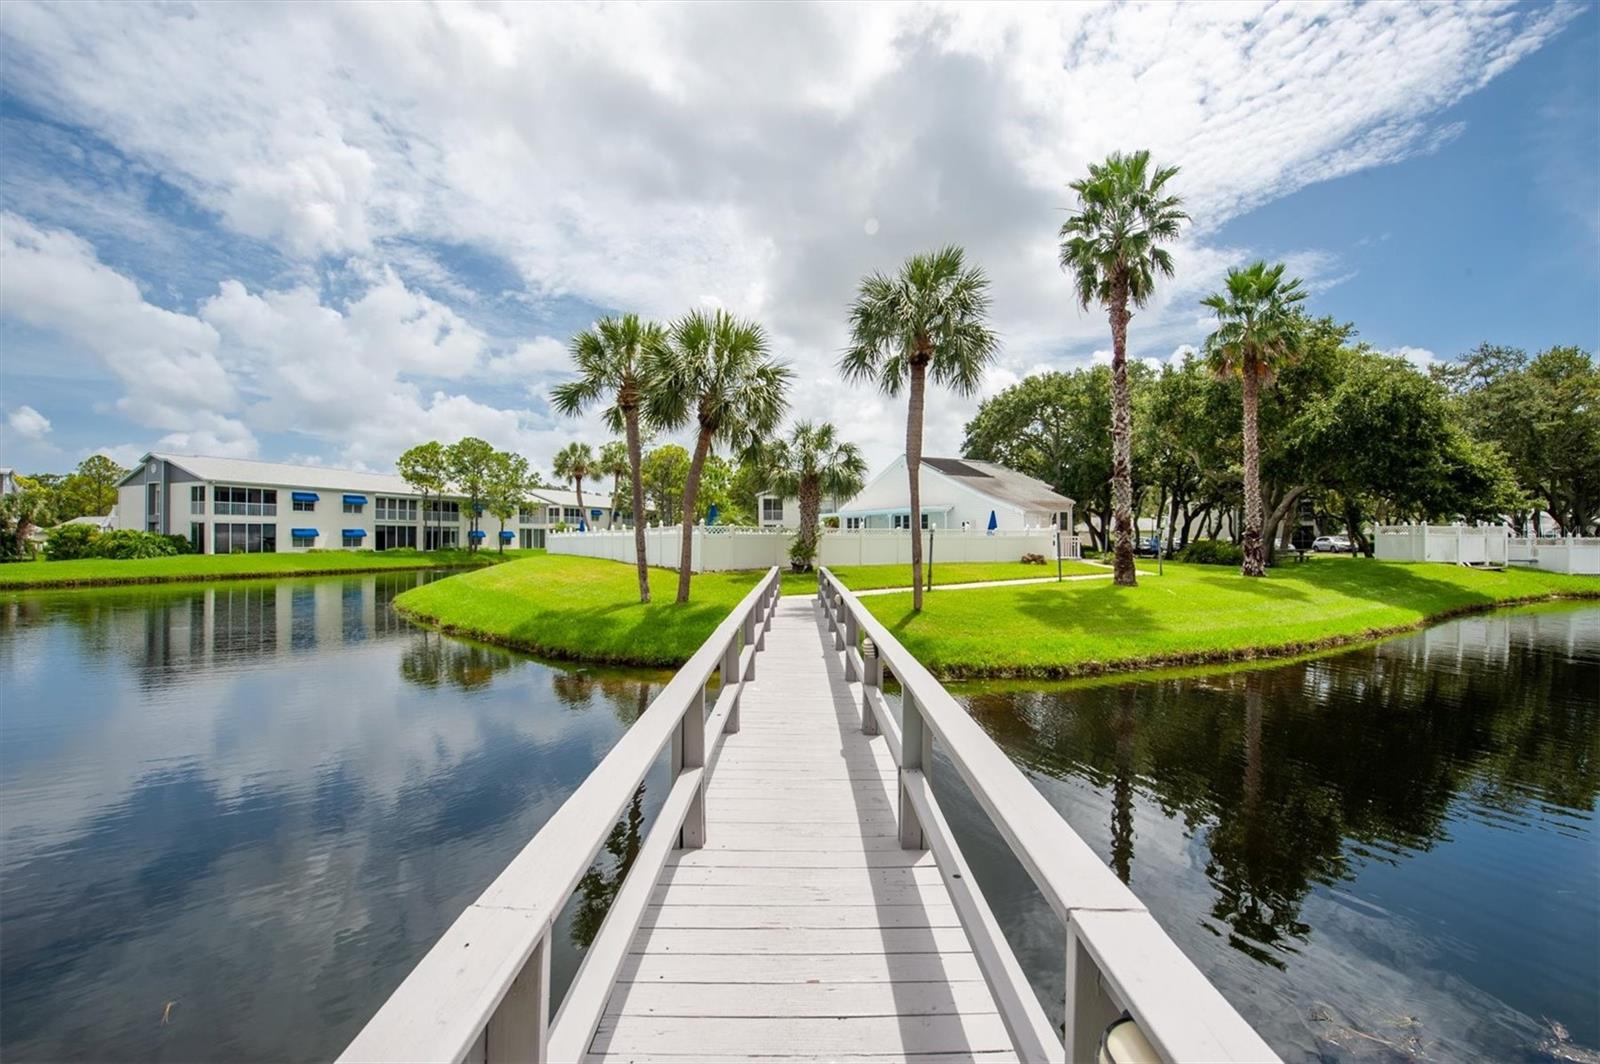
(987, 583)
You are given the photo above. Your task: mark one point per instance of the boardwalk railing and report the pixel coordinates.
(482, 993)
(1118, 960)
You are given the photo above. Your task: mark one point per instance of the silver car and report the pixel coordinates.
(1334, 544)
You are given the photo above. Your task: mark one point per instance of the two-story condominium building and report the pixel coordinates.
(232, 505)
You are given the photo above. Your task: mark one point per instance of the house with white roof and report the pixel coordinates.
(231, 505)
(957, 493)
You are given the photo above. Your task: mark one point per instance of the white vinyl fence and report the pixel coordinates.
(719, 549)
(1572, 554)
(1451, 544)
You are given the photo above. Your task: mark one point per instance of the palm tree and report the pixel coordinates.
(930, 319)
(811, 461)
(1112, 247)
(614, 463)
(574, 462)
(1257, 334)
(716, 373)
(611, 359)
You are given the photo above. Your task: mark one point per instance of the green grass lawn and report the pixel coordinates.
(867, 577)
(562, 606)
(1194, 614)
(101, 572)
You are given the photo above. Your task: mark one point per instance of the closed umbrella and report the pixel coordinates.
(994, 522)
(711, 516)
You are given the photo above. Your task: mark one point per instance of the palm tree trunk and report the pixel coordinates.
(636, 471)
(1254, 558)
(583, 511)
(691, 488)
(919, 373)
(1121, 440)
(611, 518)
(810, 504)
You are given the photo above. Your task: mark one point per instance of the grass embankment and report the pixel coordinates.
(584, 609)
(1196, 614)
(108, 572)
(870, 577)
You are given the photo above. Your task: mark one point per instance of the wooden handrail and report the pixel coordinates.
(1118, 958)
(483, 991)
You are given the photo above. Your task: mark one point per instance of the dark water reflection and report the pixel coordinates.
(261, 802)
(1386, 854)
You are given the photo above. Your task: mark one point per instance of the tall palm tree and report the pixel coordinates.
(611, 359)
(1112, 247)
(929, 319)
(715, 373)
(614, 464)
(574, 462)
(1257, 334)
(811, 461)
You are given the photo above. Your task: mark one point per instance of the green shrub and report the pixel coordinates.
(67, 543)
(131, 543)
(1211, 552)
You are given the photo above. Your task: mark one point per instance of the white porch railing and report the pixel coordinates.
(1118, 960)
(482, 993)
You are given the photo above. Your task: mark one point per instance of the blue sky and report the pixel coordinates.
(323, 234)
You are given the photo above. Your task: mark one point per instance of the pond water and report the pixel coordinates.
(1386, 854)
(232, 817)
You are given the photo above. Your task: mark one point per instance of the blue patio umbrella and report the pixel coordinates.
(993, 521)
(711, 515)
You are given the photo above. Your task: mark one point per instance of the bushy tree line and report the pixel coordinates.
(70, 542)
(494, 482)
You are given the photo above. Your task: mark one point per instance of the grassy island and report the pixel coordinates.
(108, 572)
(1197, 614)
(583, 609)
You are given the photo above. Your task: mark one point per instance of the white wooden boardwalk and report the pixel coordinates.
(801, 895)
(801, 929)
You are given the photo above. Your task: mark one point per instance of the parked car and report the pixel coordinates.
(1333, 544)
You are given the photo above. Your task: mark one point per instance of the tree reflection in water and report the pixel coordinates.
(433, 659)
(1293, 776)
(598, 887)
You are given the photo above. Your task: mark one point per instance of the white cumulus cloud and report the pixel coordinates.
(28, 423)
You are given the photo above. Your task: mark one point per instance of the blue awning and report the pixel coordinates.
(303, 496)
(476, 533)
(507, 534)
(304, 533)
(359, 500)
(356, 533)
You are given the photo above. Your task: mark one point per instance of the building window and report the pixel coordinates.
(243, 502)
(572, 515)
(924, 522)
(389, 509)
(352, 541)
(305, 506)
(525, 515)
(353, 507)
(303, 542)
(197, 499)
(152, 507)
(244, 538)
(853, 522)
(902, 521)
(772, 509)
(446, 538)
(395, 537)
(443, 511)
(197, 534)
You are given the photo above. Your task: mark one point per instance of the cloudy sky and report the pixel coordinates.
(327, 232)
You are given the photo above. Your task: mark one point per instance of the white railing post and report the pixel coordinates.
(519, 1030)
(1088, 1008)
(871, 679)
(730, 675)
(916, 755)
(852, 636)
(689, 751)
